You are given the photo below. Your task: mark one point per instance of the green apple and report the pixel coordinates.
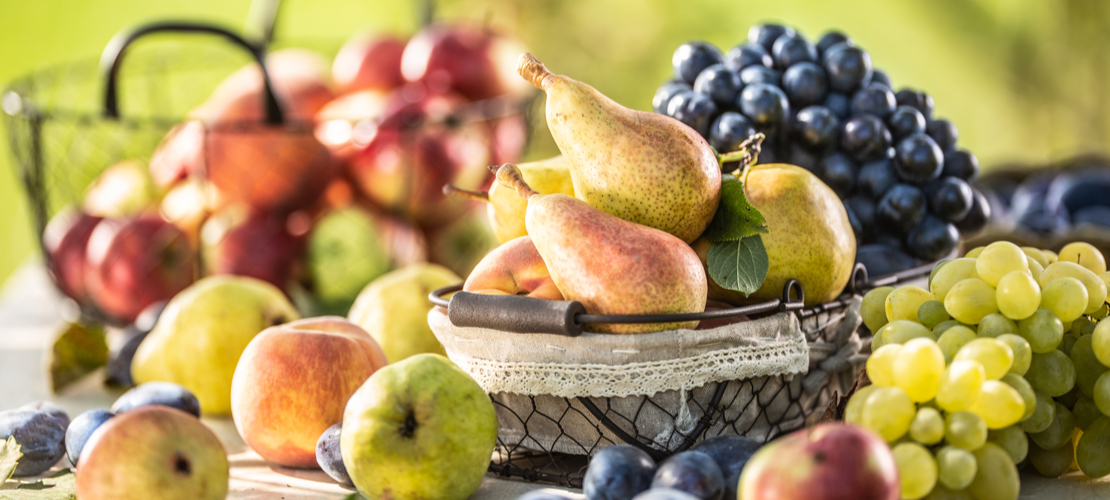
(394, 309)
(152, 451)
(202, 332)
(421, 429)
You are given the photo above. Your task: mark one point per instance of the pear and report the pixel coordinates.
(610, 265)
(642, 167)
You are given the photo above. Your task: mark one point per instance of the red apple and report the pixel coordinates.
(336, 122)
(121, 190)
(514, 268)
(301, 81)
(369, 62)
(136, 262)
(509, 136)
(826, 462)
(180, 153)
(66, 241)
(260, 245)
(474, 62)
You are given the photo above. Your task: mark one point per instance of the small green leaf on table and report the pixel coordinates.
(9, 458)
(60, 486)
(735, 219)
(739, 265)
(78, 351)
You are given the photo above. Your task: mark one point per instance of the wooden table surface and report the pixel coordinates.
(31, 312)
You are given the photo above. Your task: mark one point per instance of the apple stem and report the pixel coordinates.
(532, 69)
(747, 154)
(509, 176)
(452, 190)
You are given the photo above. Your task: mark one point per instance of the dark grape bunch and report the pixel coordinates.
(825, 108)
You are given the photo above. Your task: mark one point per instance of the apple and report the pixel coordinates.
(508, 137)
(460, 245)
(66, 241)
(514, 268)
(122, 190)
(394, 309)
(199, 337)
(180, 154)
(293, 381)
(245, 242)
(186, 205)
(337, 122)
(418, 429)
(369, 62)
(136, 262)
(152, 450)
(831, 461)
(301, 82)
(475, 62)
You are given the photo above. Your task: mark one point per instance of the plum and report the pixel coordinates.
(158, 393)
(618, 472)
(329, 457)
(39, 436)
(81, 429)
(692, 472)
(731, 453)
(49, 408)
(120, 356)
(664, 494)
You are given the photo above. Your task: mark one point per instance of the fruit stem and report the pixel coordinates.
(452, 190)
(509, 176)
(532, 69)
(747, 154)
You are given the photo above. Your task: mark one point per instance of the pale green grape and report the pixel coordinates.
(880, 365)
(1058, 432)
(904, 302)
(853, 410)
(1093, 451)
(927, 427)
(1017, 295)
(1066, 343)
(1087, 367)
(1069, 399)
(873, 308)
(969, 300)
(1035, 270)
(1100, 341)
(888, 411)
(974, 252)
(1043, 330)
(999, 259)
(917, 470)
(917, 368)
(1064, 296)
(1043, 414)
(1052, 463)
(934, 271)
(953, 339)
(996, 477)
(902, 331)
(932, 313)
(956, 467)
(1085, 412)
(995, 324)
(1036, 255)
(876, 342)
(1095, 287)
(1013, 440)
(1050, 255)
(1028, 396)
(1103, 311)
(1023, 354)
(965, 429)
(959, 385)
(953, 272)
(996, 357)
(999, 404)
(940, 492)
(944, 326)
(1079, 325)
(1102, 393)
(1084, 254)
(1051, 373)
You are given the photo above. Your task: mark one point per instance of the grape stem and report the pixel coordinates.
(747, 154)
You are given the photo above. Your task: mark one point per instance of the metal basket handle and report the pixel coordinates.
(112, 59)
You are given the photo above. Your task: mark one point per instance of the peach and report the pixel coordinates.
(514, 268)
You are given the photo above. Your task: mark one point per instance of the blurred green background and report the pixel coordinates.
(1025, 82)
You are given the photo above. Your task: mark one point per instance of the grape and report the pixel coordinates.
(999, 259)
(950, 198)
(865, 138)
(970, 300)
(956, 467)
(1093, 451)
(959, 385)
(917, 369)
(1050, 255)
(664, 94)
(747, 54)
(888, 411)
(953, 339)
(974, 252)
(1079, 324)
(906, 121)
(692, 57)
(932, 313)
(999, 404)
(848, 68)
(1067, 297)
(932, 238)
(1087, 367)
(961, 164)
(1052, 463)
(880, 365)
(853, 410)
(916, 470)
(997, 477)
(719, 83)
(965, 429)
(1096, 288)
(996, 357)
(1043, 414)
(1085, 412)
(1051, 373)
(944, 132)
(1103, 311)
(1100, 341)
(995, 324)
(953, 272)
(1069, 399)
(1023, 354)
(941, 492)
(1066, 343)
(919, 159)
(765, 104)
(693, 109)
(1043, 330)
(1018, 295)
(1084, 254)
(1034, 254)
(1035, 270)
(1013, 440)
(815, 127)
(904, 302)
(874, 99)
(1102, 393)
(1025, 391)
(902, 331)
(1058, 432)
(873, 308)
(927, 427)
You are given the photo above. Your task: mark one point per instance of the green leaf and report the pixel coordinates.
(77, 351)
(735, 219)
(740, 265)
(60, 486)
(9, 458)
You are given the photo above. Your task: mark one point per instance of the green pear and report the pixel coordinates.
(643, 167)
(202, 332)
(421, 429)
(394, 309)
(152, 452)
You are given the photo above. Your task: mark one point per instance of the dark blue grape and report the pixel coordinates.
(834, 48)
(932, 238)
(693, 109)
(766, 34)
(747, 54)
(900, 209)
(1098, 215)
(839, 104)
(873, 100)
(158, 393)
(731, 453)
(918, 159)
(719, 83)
(917, 100)
(802, 157)
(804, 83)
(664, 94)
(882, 259)
(949, 198)
(865, 212)
(50, 409)
(765, 105)
(905, 121)
(40, 438)
(839, 172)
(691, 58)
(880, 77)
(865, 138)
(693, 472)
(760, 74)
(832, 38)
(944, 133)
(78, 433)
(330, 459)
(729, 130)
(618, 472)
(853, 221)
(875, 178)
(792, 49)
(848, 69)
(815, 127)
(961, 163)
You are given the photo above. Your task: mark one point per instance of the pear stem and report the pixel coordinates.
(532, 69)
(452, 190)
(509, 176)
(747, 154)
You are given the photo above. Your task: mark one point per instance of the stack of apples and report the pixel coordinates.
(345, 190)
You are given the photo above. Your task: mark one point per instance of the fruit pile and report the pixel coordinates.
(999, 364)
(824, 107)
(1051, 202)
